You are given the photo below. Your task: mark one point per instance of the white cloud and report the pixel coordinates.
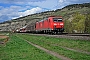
(12, 12)
(27, 12)
(31, 11)
(62, 1)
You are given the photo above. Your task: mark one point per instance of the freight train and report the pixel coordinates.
(51, 24)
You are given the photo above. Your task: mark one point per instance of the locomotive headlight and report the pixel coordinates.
(55, 24)
(61, 24)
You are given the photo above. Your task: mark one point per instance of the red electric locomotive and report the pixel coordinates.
(51, 24)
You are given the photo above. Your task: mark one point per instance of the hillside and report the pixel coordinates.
(76, 18)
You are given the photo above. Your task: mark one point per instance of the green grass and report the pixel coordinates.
(70, 43)
(2, 39)
(18, 49)
(47, 42)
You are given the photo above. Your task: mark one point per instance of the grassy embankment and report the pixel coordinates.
(18, 49)
(58, 44)
(2, 39)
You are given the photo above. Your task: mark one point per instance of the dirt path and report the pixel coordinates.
(56, 54)
(50, 52)
(76, 50)
(47, 51)
(2, 36)
(6, 38)
(80, 51)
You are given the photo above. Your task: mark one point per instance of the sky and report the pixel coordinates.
(12, 9)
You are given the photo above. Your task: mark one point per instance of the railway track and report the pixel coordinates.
(78, 36)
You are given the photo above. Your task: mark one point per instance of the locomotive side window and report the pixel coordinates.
(57, 19)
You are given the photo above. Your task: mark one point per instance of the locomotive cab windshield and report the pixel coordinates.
(57, 19)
